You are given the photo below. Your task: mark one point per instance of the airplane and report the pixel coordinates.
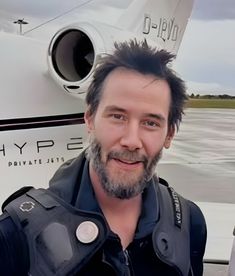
(47, 66)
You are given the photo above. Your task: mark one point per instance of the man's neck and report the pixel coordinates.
(121, 214)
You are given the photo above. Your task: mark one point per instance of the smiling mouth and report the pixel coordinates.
(127, 162)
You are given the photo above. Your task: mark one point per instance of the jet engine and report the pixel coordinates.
(75, 50)
(73, 54)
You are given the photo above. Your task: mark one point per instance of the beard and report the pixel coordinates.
(121, 184)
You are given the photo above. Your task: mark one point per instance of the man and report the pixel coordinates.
(105, 212)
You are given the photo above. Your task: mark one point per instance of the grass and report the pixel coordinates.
(211, 103)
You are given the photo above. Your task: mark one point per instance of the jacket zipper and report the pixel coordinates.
(127, 262)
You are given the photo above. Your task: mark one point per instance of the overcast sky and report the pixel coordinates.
(206, 58)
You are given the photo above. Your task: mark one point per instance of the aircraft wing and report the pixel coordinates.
(220, 227)
(35, 15)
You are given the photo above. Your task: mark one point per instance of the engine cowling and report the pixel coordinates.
(72, 55)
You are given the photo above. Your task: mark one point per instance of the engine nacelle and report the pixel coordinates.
(75, 50)
(73, 54)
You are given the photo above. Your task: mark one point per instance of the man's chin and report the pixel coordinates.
(126, 177)
(124, 185)
(116, 190)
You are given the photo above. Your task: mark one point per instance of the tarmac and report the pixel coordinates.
(200, 165)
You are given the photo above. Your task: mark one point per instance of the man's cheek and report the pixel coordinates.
(104, 156)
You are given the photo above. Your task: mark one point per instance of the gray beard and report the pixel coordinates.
(116, 188)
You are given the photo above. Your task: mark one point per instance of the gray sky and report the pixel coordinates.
(206, 59)
(214, 10)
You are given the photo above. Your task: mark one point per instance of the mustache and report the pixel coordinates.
(131, 156)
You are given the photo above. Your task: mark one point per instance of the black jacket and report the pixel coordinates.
(71, 183)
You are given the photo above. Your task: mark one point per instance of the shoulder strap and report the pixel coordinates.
(14, 258)
(198, 236)
(177, 201)
(188, 215)
(171, 236)
(16, 194)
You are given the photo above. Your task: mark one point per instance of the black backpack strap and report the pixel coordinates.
(176, 201)
(14, 253)
(171, 237)
(196, 225)
(198, 236)
(16, 194)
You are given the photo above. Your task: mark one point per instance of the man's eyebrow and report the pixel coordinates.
(155, 116)
(112, 108)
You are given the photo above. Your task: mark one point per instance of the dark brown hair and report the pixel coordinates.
(139, 56)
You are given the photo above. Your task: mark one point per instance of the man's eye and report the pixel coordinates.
(151, 124)
(118, 116)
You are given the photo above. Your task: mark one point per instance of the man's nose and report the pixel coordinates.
(131, 137)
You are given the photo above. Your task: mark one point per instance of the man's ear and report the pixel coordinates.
(169, 137)
(89, 120)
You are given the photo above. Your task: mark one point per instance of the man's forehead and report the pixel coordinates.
(122, 71)
(124, 76)
(123, 85)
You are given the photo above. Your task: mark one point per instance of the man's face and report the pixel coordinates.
(129, 131)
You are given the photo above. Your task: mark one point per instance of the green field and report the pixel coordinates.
(211, 103)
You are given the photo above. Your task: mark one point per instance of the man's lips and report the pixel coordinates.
(128, 163)
(127, 157)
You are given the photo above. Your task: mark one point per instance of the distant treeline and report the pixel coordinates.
(209, 96)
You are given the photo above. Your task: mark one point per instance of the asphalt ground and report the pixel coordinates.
(201, 161)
